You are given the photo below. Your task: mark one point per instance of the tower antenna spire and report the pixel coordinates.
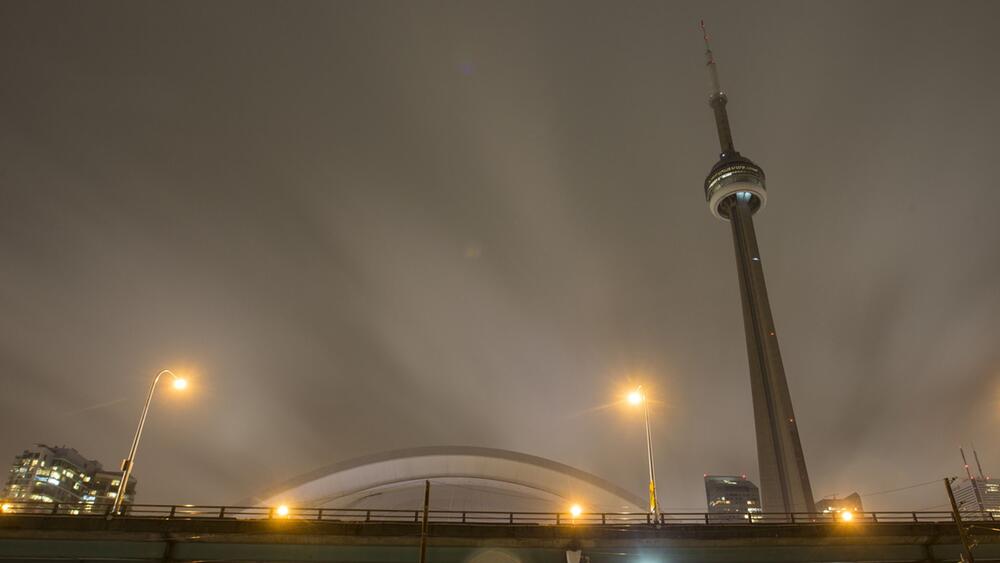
(717, 99)
(710, 61)
(965, 463)
(978, 465)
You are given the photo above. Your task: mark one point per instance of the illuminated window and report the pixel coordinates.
(112, 494)
(116, 482)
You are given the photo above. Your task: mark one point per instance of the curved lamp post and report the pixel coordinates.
(179, 383)
(637, 397)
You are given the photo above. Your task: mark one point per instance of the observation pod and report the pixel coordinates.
(734, 177)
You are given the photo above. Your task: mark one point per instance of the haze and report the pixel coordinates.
(363, 226)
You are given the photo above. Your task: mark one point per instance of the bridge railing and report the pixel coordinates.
(191, 511)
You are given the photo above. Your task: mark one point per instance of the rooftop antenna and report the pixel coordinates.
(717, 99)
(965, 463)
(978, 466)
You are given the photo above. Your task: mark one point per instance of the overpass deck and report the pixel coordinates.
(46, 537)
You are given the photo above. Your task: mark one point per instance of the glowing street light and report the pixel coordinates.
(179, 383)
(636, 398)
(846, 516)
(576, 510)
(282, 511)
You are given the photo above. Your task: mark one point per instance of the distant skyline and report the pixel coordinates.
(365, 226)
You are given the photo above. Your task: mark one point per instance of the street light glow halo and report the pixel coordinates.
(635, 397)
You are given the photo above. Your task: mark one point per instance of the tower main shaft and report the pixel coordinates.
(735, 190)
(784, 481)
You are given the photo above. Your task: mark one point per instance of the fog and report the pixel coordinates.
(362, 226)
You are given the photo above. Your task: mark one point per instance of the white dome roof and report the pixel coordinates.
(462, 478)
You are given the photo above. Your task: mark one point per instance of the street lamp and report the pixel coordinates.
(179, 383)
(638, 397)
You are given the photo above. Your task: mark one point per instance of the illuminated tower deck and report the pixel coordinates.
(735, 192)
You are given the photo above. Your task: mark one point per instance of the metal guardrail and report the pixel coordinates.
(190, 512)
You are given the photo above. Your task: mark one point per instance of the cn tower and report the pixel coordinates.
(735, 192)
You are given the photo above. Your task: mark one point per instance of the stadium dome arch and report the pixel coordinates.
(462, 478)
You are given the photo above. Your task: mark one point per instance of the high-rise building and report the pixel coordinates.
(735, 192)
(977, 495)
(105, 487)
(731, 497)
(62, 475)
(850, 503)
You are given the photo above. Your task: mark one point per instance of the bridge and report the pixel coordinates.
(47, 532)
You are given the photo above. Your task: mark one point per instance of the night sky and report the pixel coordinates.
(363, 226)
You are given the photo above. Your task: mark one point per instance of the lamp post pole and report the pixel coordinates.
(129, 461)
(654, 505)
